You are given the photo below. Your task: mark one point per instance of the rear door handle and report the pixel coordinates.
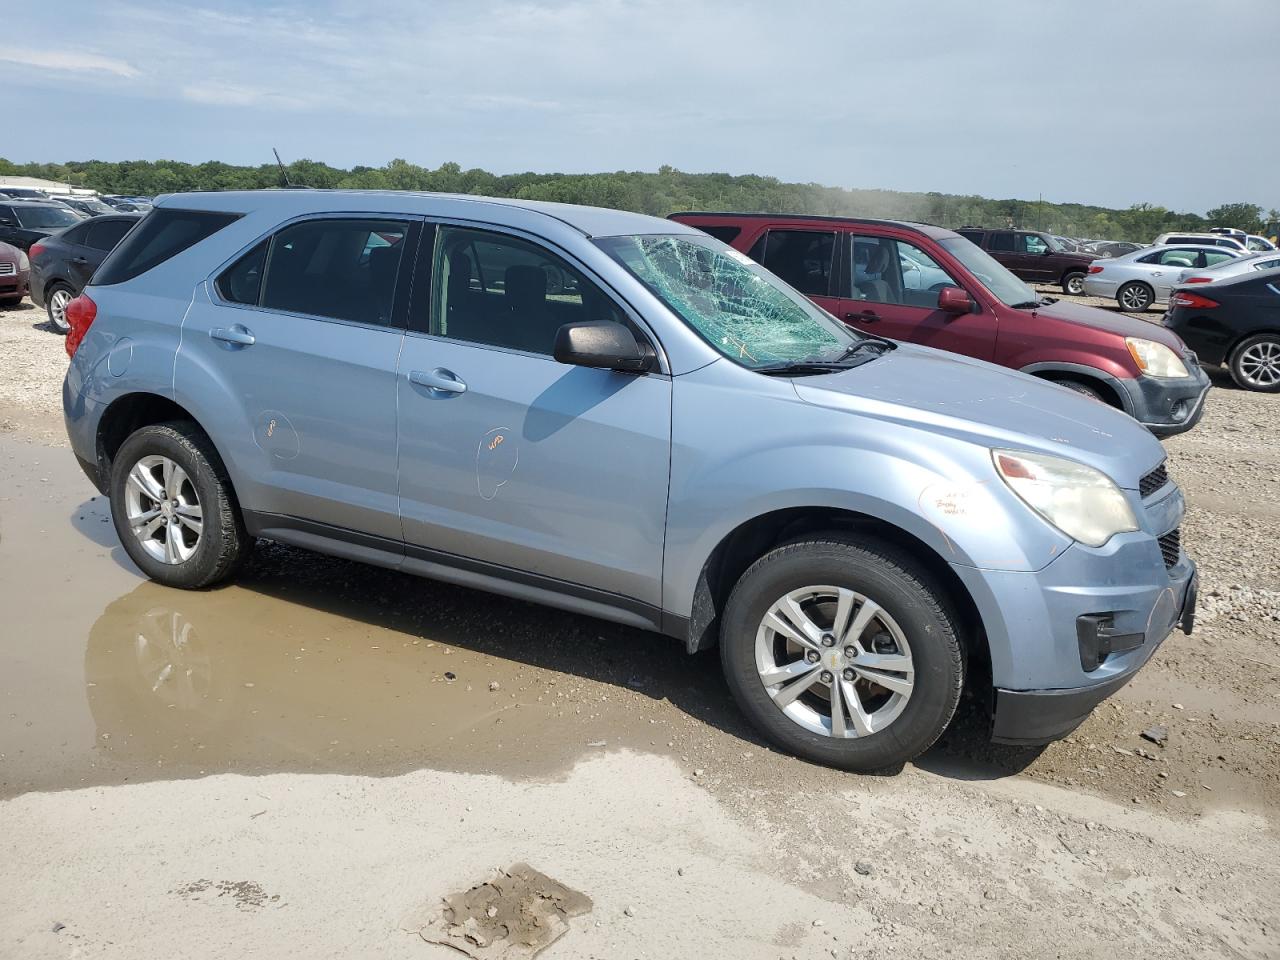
(866, 316)
(237, 335)
(438, 379)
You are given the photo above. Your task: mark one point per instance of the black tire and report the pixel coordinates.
(906, 591)
(223, 543)
(1135, 297)
(1253, 363)
(1073, 283)
(1084, 389)
(55, 291)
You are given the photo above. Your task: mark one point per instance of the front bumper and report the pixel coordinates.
(14, 284)
(1031, 717)
(1169, 407)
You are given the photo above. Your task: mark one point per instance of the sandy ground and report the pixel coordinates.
(284, 767)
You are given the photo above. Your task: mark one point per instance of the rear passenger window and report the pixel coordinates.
(1212, 256)
(106, 234)
(802, 258)
(498, 290)
(344, 269)
(75, 234)
(162, 234)
(242, 281)
(725, 233)
(1001, 241)
(973, 236)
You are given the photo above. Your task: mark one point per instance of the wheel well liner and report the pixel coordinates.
(752, 539)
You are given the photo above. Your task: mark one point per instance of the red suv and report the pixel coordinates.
(928, 285)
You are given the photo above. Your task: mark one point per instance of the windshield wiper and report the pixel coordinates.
(855, 355)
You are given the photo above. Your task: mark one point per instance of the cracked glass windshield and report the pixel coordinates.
(737, 306)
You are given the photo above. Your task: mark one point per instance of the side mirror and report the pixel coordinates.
(8, 222)
(602, 344)
(954, 300)
(1046, 251)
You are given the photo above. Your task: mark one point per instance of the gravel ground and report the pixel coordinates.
(294, 764)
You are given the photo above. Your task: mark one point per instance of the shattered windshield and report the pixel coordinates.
(737, 306)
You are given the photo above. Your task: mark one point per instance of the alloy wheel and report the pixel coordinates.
(58, 301)
(163, 509)
(834, 661)
(1134, 298)
(1260, 364)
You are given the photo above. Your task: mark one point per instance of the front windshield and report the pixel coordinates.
(1004, 286)
(46, 216)
(737, 306)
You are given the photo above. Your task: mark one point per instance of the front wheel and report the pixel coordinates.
(174, 509)
(1073, 284)
(845, 653)
(1135, 297)
(1255, 363)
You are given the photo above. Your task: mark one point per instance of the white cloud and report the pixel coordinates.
(70, 61)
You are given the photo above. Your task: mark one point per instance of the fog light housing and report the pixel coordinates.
(1180, 411)
(1097, 637)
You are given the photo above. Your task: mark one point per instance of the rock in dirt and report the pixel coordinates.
(1158, 735)
(512, 916)
(863, 868)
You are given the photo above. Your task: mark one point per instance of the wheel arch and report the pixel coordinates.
(752, 538)
(129, 413)
(1107, 384)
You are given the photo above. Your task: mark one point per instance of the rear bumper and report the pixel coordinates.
(1169, 407)
(1095, 286)
(1031, 717)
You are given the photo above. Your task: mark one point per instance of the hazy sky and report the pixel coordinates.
(1114, 102)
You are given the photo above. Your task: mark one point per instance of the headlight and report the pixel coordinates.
(1080, 501)
(23, 262)
(1155, 359)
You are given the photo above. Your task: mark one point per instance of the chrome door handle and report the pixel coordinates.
(237, 335)
(438, 379)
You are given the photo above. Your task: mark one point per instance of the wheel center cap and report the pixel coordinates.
(833, 659)
(166, 509)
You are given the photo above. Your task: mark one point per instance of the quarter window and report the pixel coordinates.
(163, 234)
(344, 269)
(1001, 241)
(802, 258)
(498, 290)
(894, 271)
(242, 281)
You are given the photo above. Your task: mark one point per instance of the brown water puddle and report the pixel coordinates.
(305, 664)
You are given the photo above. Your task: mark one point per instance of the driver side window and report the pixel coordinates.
(501, 291)
(1032, 244)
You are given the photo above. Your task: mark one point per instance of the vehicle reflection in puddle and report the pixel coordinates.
(244, 680)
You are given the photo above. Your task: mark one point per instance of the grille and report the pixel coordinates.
(1170, 545)
(7, 269)
(1153, 481)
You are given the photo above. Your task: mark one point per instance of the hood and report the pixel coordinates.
(1112, 322)
(991, 406)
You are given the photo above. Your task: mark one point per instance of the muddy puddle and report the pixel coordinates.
(305, 664)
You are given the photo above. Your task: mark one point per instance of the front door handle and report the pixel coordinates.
(237, 335)
(866, 316)
(438, 379)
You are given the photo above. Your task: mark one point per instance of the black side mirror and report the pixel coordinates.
(602, 344)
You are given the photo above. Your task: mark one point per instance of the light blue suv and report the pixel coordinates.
(622, 416)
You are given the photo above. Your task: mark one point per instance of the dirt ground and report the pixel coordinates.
(297, 764)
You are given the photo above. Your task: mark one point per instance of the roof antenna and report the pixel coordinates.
(284, 174)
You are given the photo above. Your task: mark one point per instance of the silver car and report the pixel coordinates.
(1139, 279)
(1269, 260)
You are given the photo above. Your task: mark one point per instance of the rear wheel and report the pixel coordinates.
(844, 653)
(174, 509)
(1073, 283)
(56, 299)
(1255, 363)
(1135, 297)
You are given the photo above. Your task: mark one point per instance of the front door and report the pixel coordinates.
(894, 293)
(1034, 258)
(511, 459)
(302, 335)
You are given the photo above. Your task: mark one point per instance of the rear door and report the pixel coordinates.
(304, 331)
(804, 257)
(893, 292)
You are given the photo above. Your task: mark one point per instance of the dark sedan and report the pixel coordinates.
(23, 222)
(13, 274)
(1235, 323)
(61, 265)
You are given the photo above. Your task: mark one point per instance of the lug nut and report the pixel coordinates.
(848, 674)
(826, 676)
(811, 656)
(851, 652)
(828, 640)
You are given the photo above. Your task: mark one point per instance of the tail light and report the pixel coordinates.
(1095, 269)
(35, 250)
(1198, 280)
(80, 313)
(1184, 299)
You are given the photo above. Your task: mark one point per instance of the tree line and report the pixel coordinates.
(667, 191)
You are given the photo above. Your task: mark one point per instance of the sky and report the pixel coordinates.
(1117, 102)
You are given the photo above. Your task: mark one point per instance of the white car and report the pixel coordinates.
(1201, 239)
(1139, 279)
(1232, 268)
